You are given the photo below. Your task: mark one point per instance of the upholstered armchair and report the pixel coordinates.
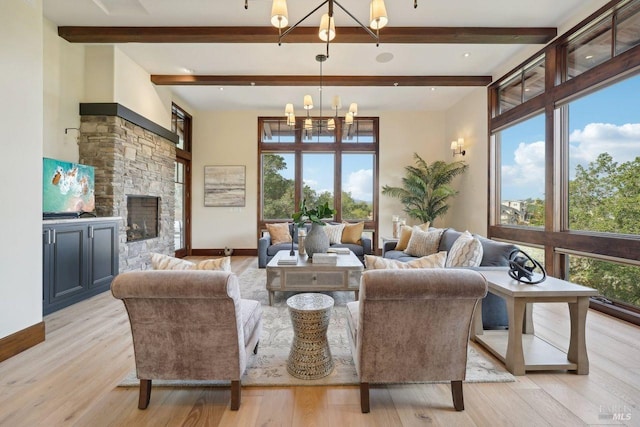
(413, 325)
(189, 325)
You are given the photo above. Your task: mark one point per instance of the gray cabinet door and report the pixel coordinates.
(68, 262)
(103, 239)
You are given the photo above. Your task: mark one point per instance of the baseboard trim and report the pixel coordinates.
(21, 341)
(220, 252)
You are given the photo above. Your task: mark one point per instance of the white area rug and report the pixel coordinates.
(269, 366)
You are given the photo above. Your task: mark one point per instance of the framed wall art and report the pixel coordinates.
(224, 186)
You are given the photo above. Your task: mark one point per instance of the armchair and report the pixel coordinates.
(413, 325)
(189, 325)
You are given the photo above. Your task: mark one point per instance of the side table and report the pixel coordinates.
(310, 355)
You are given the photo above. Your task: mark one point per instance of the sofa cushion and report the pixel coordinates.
(449, 236)
(280, 233)
(166, 262)
(334, 232)
(273, 249)
(222, 264)
(466, 251)
(352, 233)
(495, 254)
(403, 240)
(436, 260)
(423, 243)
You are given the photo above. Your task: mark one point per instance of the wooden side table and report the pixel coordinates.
(310, 355)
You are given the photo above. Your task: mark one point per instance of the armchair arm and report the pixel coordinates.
(263, 244)
(366, 244)
(389, 246)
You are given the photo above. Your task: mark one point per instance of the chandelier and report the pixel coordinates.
(308, 126)
(327, 31)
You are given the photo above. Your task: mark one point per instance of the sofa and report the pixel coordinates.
(267, 250)
(494, 255)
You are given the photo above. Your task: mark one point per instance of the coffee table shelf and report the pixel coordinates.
(309, 277)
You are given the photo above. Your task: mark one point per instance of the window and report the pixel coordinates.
(181, 125)
(522, 169)
(319, 165)
(573, 157)
(604, 160)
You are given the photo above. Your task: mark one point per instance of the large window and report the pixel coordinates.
(181, 125)
(570, 158)
(337, 166)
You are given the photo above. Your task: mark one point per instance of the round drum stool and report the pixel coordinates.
(310, 355)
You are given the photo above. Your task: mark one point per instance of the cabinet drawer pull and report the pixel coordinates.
(53, 237)
(91, 232)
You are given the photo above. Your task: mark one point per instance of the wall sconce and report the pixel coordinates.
(457, 147)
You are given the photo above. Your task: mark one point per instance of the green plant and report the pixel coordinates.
(314, 215)
(426, 188)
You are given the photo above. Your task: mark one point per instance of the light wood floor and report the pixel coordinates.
(71, 379)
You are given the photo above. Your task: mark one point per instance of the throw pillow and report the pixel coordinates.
(405, 235)
(352, 233)
(279, 233)
(425, 226)
(334, 232)
(436, 260)
(423, 243)
(222, 264)
(466, 251)
(166, 262)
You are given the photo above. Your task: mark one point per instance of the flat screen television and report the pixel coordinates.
(67, 188)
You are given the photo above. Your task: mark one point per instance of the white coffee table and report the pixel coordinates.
(518, 348)
(309, 277)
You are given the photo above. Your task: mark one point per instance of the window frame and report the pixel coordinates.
(556, 238)
(337, 148)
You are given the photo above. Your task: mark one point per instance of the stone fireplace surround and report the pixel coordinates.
(131, 156)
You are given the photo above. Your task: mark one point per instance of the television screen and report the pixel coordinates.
(67, 187)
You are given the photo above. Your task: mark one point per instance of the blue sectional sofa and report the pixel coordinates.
(495, 254)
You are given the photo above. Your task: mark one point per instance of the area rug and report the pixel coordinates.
(269, 366)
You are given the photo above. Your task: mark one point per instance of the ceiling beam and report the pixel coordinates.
(405, 35)
(244, 80)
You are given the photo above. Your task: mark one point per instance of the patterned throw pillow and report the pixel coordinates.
(352, 233)
(405, 235)
(466, 251)
(222, 264)
(423, 243)
(279, 233)
(431, 261)
(334, 232)
(166, 262)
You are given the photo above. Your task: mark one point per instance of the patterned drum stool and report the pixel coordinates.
(310, 356)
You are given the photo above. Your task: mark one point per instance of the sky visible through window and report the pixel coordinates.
(606, 121)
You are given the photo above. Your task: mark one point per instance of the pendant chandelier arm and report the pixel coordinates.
(291, 28)
(364, 27)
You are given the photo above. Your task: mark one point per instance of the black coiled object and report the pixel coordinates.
(522, 266)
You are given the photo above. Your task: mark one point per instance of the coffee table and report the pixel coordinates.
(518, 348)
(307, 276)
(310, 355)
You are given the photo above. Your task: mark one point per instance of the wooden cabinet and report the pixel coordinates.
(80, 260)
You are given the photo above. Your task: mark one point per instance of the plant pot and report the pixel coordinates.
(316, 240)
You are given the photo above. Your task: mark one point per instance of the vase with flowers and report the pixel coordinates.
(316, 240)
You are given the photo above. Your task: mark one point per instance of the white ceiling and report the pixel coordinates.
(299, 59)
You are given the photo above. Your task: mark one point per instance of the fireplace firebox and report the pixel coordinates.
(142, 217)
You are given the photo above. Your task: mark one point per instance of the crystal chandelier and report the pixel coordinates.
(308, 126)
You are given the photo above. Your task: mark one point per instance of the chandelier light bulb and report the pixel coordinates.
(337, 103)
(331, 124)
(279, 14)
(288, 110)
(327, 28)
(291, 120)
(308, 102)
(378, 15)
(353, 109)
(348, 119)
(308, 124)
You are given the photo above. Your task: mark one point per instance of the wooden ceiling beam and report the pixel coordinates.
(245, 80)
(404, 35)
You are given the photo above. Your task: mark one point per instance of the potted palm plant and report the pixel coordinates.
(426, 188)
(317, 240)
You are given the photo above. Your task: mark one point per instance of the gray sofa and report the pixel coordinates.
(266, 250)
(495, 254)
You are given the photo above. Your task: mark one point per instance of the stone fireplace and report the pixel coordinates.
(132, 156)
(142, 217)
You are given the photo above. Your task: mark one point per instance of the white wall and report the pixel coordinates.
(468, 119)
(63, 91)
(229, 138)
(99, 82)
(21, 116)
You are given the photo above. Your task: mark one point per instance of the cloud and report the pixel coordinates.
(621, 142)
(360, 184)
(523, 175)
